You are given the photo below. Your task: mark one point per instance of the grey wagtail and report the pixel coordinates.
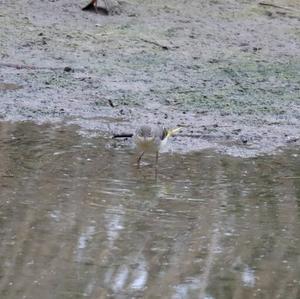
(151, 139)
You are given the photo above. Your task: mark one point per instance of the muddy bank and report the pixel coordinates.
(227, 72)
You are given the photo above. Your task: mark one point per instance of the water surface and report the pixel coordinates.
(78, 220)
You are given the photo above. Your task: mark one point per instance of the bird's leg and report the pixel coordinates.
(95, 6)
(107, 6)
(139, 159)
(156, 164)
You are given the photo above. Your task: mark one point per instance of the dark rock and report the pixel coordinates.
(244, 139)
(67, 69)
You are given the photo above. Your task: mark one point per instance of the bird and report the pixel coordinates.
(92, 5)
(151, 139)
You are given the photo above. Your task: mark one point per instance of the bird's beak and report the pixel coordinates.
(173, 131)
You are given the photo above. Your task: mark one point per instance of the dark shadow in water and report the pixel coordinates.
(78, 220)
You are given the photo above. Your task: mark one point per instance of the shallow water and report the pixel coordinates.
(78, 220)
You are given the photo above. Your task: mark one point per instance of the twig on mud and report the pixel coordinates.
(289, 177)
(111, 104)
(190, 135)
(178, 91)
(186, 91)
(164, 47)
(277, 6)
(122, 135)
(35, 67)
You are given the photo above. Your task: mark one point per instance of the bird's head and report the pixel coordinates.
(172, 132)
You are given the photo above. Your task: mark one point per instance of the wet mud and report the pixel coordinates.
(227, 72)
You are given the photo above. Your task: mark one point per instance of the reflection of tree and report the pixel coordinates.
(265, 234)
(77, 219)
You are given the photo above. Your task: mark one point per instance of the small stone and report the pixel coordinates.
(244, 140)
(67, 69)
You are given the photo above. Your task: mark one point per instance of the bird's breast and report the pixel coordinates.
(147, 144)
